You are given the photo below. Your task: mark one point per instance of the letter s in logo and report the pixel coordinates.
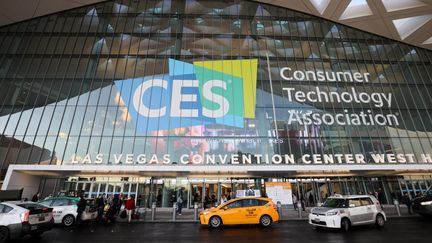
(215, 98)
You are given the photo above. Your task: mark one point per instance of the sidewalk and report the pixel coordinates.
(288, 213)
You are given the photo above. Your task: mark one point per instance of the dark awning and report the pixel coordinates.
(11, 195)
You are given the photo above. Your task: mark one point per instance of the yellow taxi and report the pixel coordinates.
(248, 210)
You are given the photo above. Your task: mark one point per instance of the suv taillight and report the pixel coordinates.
(25, 217)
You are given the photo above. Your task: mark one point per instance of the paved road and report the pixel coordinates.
(403, 230)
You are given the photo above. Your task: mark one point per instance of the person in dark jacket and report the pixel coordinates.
(117, 202)
(173, 199)
(36, 197)
(407, 201)
(80, 209)
(100, 204)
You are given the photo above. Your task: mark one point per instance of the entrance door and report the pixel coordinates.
(84, 187)
(208, 194)
(205, 194)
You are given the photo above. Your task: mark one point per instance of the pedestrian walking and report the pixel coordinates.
(117, 203)
(130, 207)
(179, 205)
(294, 199)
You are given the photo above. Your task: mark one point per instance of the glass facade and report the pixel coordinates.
(60, 99)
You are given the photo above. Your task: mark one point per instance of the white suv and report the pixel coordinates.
(346, 211)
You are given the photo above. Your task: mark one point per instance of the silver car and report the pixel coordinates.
(345, 211)
(24, 218)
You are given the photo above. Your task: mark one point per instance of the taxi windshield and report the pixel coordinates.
(335, 203)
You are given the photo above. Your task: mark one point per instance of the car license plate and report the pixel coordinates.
(41, 219)
(316, 220)
(34, 227)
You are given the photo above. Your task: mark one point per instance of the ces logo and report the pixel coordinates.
(205, 92)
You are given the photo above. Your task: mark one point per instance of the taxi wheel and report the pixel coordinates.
(345, 224)
(215, 222)
(379, 221)
(68, 220)
(265, 221)
(4, 234)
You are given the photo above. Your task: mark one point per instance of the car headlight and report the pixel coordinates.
(332, 213)
(426, 203)
(206, 212)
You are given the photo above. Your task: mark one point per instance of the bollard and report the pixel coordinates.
(396, 203)
(174, 211)
(279, 208)
(195, 211)
(153, 211)
(299, 208)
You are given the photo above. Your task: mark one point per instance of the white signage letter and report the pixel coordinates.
(139, 104)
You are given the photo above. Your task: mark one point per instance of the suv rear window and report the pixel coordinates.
(355, 202)
(366, 201)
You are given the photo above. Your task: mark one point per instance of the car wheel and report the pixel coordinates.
(68, 220)
(215, 222)
(265, 221)
(4, 234)
(379, 221)
(345, 224)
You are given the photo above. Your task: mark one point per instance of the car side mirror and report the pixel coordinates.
(225, 208)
